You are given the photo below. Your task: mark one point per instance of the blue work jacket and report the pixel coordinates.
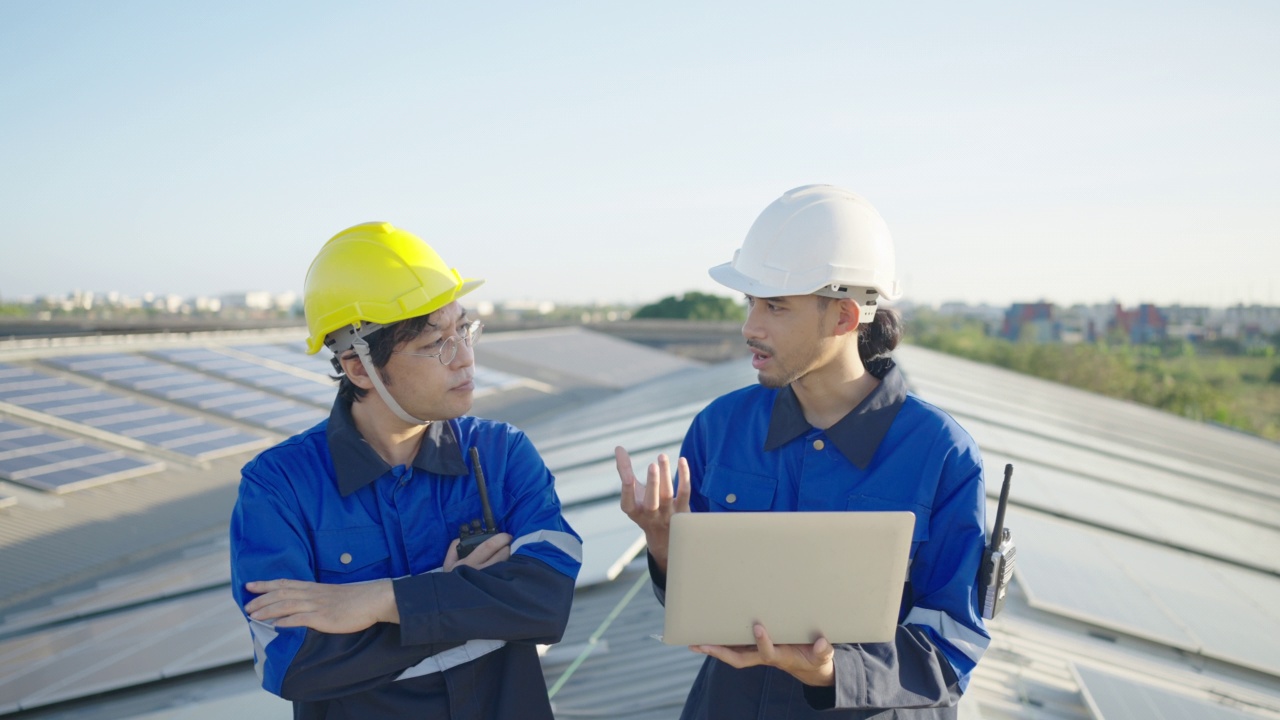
(753, 450)
(322, 506)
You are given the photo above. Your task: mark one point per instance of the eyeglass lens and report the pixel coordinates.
(470, 334)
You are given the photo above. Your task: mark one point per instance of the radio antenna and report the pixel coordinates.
(489, 523)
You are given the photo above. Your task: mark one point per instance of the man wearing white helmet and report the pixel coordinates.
(345, 551)
(830, 426)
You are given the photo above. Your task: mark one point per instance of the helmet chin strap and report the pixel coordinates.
(362, 351)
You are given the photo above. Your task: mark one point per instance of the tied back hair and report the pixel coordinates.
(879, 337)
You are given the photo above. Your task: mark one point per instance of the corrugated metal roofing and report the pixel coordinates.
(1111, 501)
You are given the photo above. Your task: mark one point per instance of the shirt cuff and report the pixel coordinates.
(418, 605)
(848, 690)
(659, 579)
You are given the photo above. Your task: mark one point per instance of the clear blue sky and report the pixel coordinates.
(1076, 152)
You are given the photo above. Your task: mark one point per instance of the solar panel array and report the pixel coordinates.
(40, 459)
(487, 380)
(1127, 527)
(196, 390)
(291, 354)
(117, 413)
(309, 387)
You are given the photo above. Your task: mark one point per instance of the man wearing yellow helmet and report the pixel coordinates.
(344, 540)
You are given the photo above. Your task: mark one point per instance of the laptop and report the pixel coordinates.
(802, 574)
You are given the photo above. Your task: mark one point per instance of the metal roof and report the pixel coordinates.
(1147, 581)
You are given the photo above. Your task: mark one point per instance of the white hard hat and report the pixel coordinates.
(816, 239)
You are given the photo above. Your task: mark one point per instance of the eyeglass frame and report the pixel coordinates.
(469, 336)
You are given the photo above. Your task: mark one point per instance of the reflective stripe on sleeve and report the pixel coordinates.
(263, 633)
(564, 542)
(965, 639)
(452, 658)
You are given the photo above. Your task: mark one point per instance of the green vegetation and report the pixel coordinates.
(694, 306)
(1225, 383)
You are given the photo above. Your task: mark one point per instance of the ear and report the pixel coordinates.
(848, 314)
(355, 371)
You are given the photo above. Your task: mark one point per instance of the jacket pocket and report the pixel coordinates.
(737, 491)
(352, 554)
(868, 503)
(462, 512)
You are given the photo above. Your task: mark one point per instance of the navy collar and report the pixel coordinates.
(856, 435)
(357, 464)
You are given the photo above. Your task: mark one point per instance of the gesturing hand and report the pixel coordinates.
(652, 503)
(323, 606)
(813, 665)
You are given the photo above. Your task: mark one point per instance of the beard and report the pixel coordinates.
(783, 373)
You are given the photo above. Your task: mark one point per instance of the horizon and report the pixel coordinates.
(473, 300)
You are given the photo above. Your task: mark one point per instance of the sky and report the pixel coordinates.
(612, 152)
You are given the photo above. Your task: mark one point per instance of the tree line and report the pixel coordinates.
(1224, 382)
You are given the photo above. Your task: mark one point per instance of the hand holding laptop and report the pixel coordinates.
(652, 503)
(812, 665)
(854, 583)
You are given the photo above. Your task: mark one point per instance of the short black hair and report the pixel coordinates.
(381, 344)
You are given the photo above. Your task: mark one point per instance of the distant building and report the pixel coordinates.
(1144, 325)
(1244, 322)
(1034, 322)
(253, 300)
(1192, 324)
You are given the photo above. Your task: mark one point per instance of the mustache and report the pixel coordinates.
(765, 349)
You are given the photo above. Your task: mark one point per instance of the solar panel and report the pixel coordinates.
(1087, 461)
(294, 354)
(1117, 446)
(196, 390)
(1020, 398)
(614, 541)
(38, 459)
(1164, 520)
(112, 412)
(313, 387)
(1112, 697)
(135, 646)
(487, 380)
(1147, 590)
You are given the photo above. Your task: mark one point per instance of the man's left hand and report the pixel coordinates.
(323, 606)
(812, 665)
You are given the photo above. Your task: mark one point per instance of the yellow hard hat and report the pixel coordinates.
(376, 273)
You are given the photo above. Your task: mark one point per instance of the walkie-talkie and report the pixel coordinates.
(470, 536)
(997, 565)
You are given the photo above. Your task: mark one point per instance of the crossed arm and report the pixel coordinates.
(350, 608)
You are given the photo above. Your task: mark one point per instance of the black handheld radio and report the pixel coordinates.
(470, 536)
(997, 563)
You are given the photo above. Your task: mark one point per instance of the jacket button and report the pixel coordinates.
(731, 498)
(345, 558)
(818, 444)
